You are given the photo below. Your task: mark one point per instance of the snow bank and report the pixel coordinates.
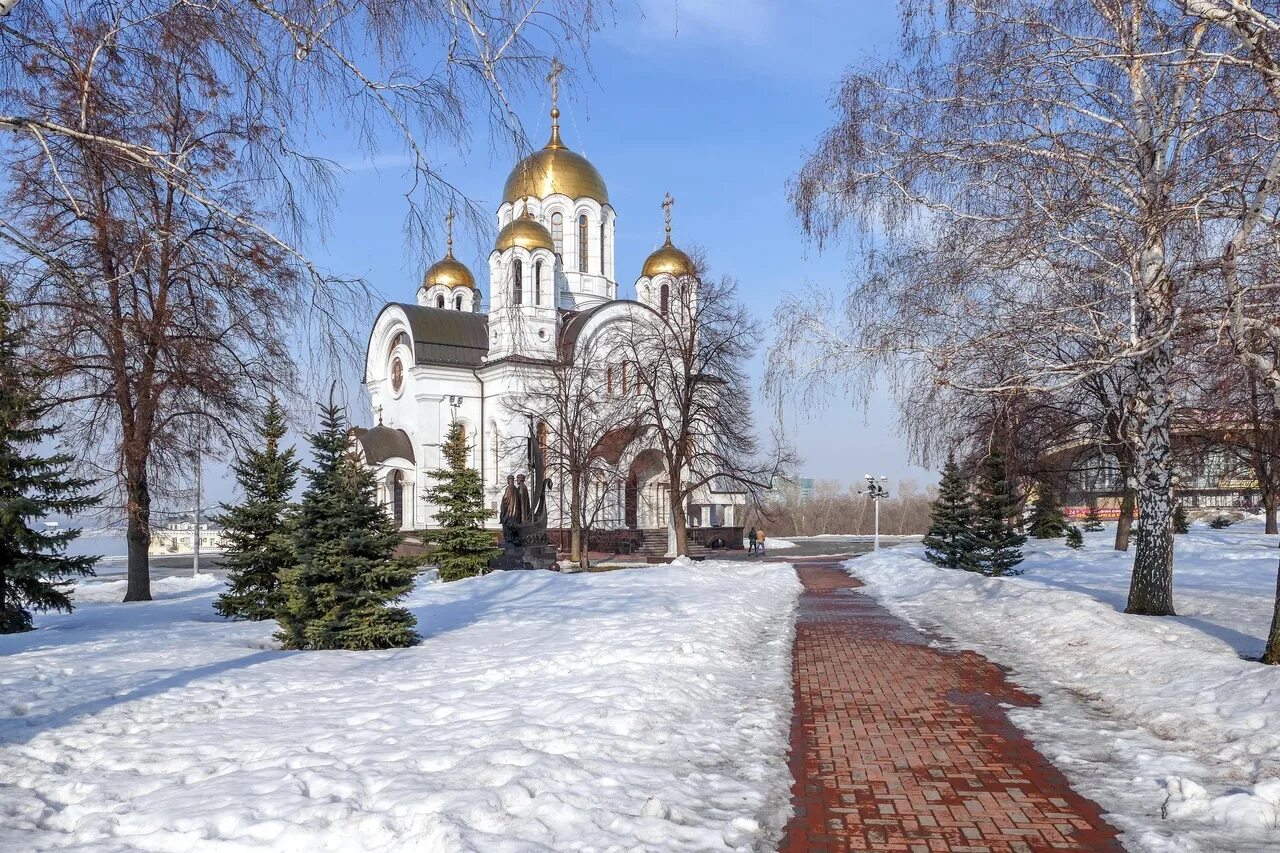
(642, 709)
(1157, 719)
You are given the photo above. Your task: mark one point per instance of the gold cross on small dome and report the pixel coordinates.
(554, 79)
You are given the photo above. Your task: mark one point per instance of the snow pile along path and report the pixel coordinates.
(641, 710)
(1159, 720)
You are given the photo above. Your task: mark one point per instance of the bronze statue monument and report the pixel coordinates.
(523, 516)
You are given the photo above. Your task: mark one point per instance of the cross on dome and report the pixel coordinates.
(667, 203)
(554, 79)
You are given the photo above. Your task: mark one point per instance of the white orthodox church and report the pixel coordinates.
(552, 282)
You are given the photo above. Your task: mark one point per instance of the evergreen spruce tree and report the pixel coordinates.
(1181, 524)
(1075, 539)
(339, 593)
(35, 571)
(260, 541)
(1092, 520)
(998, 544)
(1047, 520)
(949, 542)
(463, 546)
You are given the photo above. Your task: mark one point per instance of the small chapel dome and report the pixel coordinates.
(668, 259)
(450, 272)
(525, 232)
(555, 169)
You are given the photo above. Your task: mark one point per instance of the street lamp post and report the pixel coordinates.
(876, 490)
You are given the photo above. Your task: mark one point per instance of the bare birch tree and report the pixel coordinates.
(1038, 162)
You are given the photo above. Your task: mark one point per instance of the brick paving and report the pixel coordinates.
(897, 746)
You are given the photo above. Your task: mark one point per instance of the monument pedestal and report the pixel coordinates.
(528, 549)
(524, 557)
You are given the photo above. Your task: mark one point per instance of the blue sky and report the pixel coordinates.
(715, 102)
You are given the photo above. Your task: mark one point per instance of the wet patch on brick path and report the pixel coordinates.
(900, 746)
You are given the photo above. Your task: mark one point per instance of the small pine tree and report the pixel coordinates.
(999, 544)
(1075, 539)
(257, 530)
(1092, 520)
(1221, 522)
(949, 542)
(35, 571)
(339, 593)
(1181, 524)
(463, 547)
(1047, 520)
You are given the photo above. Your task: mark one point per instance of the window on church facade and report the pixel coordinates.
(401, 339)
(537, 283)
(664, 297)
(457, 302)
(608, 379)
(582, 243)
(624, 377)
(602, 248)
(439, 300)
(517, 282)
(397, 374)
(557, 232)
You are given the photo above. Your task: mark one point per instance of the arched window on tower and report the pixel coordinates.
(517, 282)
(582, 243)
(439, 300)
(537, 283)
(608, 379)
(664, 298)
(557, 232)
(602, 252)
(457, 302)
(624, 377)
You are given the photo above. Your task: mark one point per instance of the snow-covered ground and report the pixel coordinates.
(1163, 721)
(636, 710)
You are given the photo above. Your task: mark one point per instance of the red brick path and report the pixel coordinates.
(897, 746)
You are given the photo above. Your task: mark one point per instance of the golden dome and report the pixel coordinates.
(450, 272)
(554, 169)
(667, 259)
(525, 232)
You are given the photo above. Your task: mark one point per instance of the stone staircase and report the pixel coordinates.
(653, 547)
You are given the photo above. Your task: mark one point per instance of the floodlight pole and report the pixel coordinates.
(877, 490)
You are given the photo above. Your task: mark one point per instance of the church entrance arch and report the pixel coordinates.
(643, 496)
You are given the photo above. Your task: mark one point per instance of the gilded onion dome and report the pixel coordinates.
(668, 259)
(450, 272)
(555, 169)
(525, 232)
